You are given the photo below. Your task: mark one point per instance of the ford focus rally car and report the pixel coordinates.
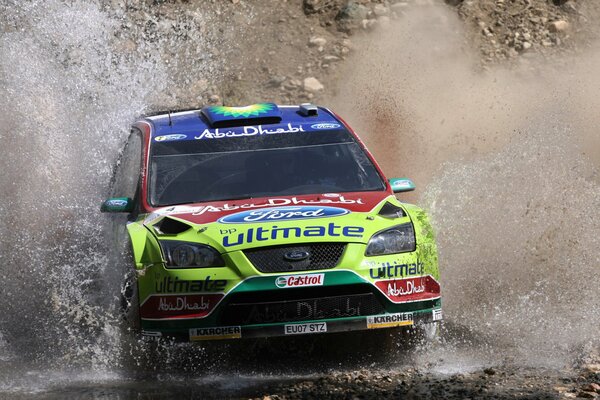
(268, 220)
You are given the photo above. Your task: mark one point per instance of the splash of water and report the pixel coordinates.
(509, 163)
(74, 74)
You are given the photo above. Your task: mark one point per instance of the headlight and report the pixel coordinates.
(190, 255)
(399, 239)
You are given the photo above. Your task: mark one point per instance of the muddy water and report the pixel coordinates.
(512, 192)
(508, 165)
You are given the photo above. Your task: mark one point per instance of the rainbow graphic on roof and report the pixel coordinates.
(226, 116)
(253, 110)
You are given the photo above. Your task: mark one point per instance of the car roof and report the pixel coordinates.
(271, 117)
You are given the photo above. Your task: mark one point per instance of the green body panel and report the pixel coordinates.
(354, 228)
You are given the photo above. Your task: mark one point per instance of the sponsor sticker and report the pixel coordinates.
(166, 284)
(395, 270)
(390, 320)
(220, 332)
(301, 329)
(325, 125)
(437, 314)
(398, 184)
(293, 201)
(300, 280)
(167, 138)
(259, 234)
(283, 214)
(116, 203)
(410, 289)
(184, 306)
(248, 131)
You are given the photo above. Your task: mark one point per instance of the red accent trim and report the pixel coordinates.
(202, 213)
(179, 306)
(146, 129)
(410, 289)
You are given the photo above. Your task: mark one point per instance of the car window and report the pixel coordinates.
(128, 168)
(180, 175)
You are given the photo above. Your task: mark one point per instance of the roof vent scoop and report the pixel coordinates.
(390, 210)
(308, 110)
(170, 226)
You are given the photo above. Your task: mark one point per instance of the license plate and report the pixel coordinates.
(300, 329)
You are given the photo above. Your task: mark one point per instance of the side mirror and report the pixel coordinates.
(400, 185)
(117, 205)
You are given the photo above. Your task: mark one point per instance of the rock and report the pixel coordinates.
(312, 85)
(587, 395)
(558, 26)
(276, 80)
(331, 58)
(489, 371)
(317, 41)
(311, 6)
(592, 367)
(570, 6)
(368, 23)
(348, 44)
(526, 45)
(352, 11)
(592, 387)
(214, 99)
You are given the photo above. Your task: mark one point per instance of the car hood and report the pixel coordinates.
(232, 210)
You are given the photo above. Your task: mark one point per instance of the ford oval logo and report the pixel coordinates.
(276, 214)
(167, 138)
(296, 255)
(117, 203)
(325, 125)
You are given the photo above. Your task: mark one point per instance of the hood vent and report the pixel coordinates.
(391, 211)
(170, 226)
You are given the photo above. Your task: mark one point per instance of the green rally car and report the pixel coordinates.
(267, 220)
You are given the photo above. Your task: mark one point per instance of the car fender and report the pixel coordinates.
(425, 237)
(146, 250)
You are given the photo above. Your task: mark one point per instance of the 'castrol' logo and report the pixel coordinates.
(300, 280)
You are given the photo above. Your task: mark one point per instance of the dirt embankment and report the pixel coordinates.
(289, 51)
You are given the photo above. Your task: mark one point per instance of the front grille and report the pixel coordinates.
(273, 259)
(290, 305)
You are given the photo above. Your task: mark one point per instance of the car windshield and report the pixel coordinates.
(234, 168)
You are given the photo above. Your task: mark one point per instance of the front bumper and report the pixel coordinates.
(387, 320)
(274, 305)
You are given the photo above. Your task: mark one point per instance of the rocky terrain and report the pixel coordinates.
(410, 384)
(298, 45)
